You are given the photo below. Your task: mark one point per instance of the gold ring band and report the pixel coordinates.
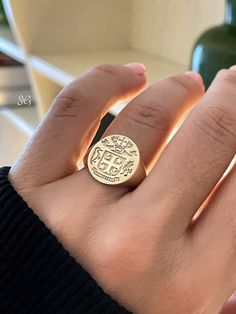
(114, 160)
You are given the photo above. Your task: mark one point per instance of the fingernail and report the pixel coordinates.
(196, 76)
(233, 68)
(137, 68)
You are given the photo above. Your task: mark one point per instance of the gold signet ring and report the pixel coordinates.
(114, 160)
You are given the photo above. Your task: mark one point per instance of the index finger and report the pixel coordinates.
(72, 121)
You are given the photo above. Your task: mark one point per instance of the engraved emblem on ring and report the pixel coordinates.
(114, 159)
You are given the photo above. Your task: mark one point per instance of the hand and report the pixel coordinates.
(141, 245)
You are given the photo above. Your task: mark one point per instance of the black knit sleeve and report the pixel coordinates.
(37, 275)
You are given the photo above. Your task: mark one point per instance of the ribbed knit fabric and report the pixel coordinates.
(37, 275)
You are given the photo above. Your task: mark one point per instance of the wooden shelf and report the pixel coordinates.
(17, 124)
(9, 46)
(24, 118)
(62, 68)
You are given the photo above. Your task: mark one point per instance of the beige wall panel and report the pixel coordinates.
(168, 28)
(65, 26)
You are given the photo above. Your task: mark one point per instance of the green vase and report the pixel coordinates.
(216, 48)
(3, 19)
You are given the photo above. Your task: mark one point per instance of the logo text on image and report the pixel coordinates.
(24, 100)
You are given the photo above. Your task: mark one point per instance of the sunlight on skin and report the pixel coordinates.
(230, 307)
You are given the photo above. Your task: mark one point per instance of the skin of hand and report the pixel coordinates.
(142, 245)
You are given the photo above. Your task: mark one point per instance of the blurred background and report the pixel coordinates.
(45, 44)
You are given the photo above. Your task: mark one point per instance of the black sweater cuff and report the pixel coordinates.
(37, 275)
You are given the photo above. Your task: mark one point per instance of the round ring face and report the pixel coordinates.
(114, 159)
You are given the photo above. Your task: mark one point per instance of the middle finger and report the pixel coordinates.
(197, 156)
(150, 117)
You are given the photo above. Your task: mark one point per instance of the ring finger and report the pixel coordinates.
(150, 117)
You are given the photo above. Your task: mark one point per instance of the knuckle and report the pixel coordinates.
(218, 123)
(227, 76)
(151, 115)
(68, 106)
(182, 82)
(107, 69)
(221, 74)
(114, 74)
